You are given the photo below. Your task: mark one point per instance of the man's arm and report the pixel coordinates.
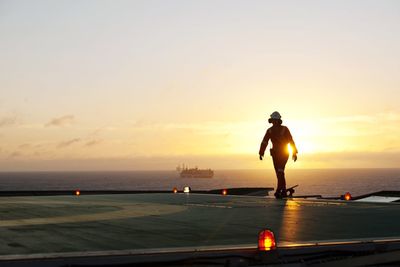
(264, 144)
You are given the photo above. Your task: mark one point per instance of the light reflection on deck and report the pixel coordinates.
(290, 219)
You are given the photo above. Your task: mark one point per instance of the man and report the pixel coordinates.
(280, 137)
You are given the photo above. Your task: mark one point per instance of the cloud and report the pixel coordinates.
(383, 117)
(8, 121)
(168, 162)
(68, 143)
(144, 123)
(360, 159)
(25, 146)
(15, 154)
(93, 143)
(61, 121)
(96, 132)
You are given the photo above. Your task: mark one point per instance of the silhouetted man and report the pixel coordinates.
(280, 137)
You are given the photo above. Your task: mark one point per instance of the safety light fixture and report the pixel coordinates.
(347, 196)
(186, 189)
(266, 240)
(224, 192)
(175, 190)
(77, 192)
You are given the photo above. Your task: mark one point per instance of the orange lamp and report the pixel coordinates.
(266, 240)
(224, 192)
(347, 196)
(77, 192)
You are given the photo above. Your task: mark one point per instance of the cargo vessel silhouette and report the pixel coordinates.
(186, 172)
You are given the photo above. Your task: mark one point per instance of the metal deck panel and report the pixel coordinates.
(57, 224)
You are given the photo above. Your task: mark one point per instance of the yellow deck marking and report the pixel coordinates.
(127, 210)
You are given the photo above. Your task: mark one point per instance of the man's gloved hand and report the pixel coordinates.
(294, 157)
(261, 157)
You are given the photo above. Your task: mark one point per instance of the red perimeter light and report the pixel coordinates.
(224, 192)
(347, 196)
(77, 192)
(175, 190)
(266, 240)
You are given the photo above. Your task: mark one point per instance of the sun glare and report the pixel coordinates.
(290, 149)
(306, 147)
(302, 147)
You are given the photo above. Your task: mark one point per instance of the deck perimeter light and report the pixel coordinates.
(175, 190)
(347, 196)
(77, 192)
(186, 189)
(266, 240)
(224, 192)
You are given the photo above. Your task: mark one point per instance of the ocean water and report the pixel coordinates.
(326, 182)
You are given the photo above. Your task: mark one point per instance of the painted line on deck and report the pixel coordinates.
(127, 210)
(210, 206)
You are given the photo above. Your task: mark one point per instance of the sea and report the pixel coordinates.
(325, 182)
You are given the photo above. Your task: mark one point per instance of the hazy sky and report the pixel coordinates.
(150, 84)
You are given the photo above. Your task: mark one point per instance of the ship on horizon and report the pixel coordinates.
(186, 172)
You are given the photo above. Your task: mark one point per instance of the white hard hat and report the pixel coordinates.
(275, 115)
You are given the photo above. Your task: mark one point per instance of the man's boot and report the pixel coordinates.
(277, 194)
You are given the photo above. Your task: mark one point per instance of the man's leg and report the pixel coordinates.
(279, 165)
(281, 182)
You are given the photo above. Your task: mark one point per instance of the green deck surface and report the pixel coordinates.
(52, 224)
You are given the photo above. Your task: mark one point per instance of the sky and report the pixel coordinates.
(133, 85)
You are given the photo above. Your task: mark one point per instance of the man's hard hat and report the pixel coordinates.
(275, 115)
